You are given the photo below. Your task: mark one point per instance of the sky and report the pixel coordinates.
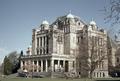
(19, 17)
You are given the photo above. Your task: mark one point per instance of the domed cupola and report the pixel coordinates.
(45, 25)
(70, 18)
(93, 25)
(45, 22)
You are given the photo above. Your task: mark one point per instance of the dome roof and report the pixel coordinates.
(92, 23)
(70, 15)
(45, 22)
(30, 46)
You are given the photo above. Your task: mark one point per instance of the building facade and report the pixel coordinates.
(68, 44)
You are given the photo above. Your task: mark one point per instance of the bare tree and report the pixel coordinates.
(112, 12)
(87, 56)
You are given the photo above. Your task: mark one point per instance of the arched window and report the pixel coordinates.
(94, 74)
(103, 74)
(68, 22)
(78, 39)
(37, 51)
(23, 62)
(97, 74)
(35, 62)
(100, 74)
(37, 42)
(43, 51)
(40, 51)
(117, 59)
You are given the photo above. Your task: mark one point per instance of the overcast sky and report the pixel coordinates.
(19, 17)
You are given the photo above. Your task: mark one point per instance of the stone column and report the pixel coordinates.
(75, 65)
(64, 65)
(37, 66)
(58, 64)
(46, 65)
(33, 66)
(52, 65)
(52, 68)
(41, 45)
(41, 65)
(35, 44)
(95, 76)
(70, 65)
(21, 65)
(45, 44)
(39, 42)
(42, 41)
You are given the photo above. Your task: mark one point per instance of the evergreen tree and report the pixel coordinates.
(7, 66)
(14, 58)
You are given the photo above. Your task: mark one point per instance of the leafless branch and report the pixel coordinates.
(112, 12)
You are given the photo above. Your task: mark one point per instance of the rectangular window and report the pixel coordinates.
(37, 42)
(117, 60)
(100, 41)
(95, 40)
(102, 64)
(39, 63)
(47, 50)
(44, 41)
(73, 64)
(40, 41)
(23, 62)
(94, 73)
(47, 40)
(37, 51)
(40, 51)
(35, 62)
(78, 39)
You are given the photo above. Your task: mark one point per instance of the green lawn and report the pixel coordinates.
(42, 79)
(52, 79)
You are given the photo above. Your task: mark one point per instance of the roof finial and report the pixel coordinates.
(70, 11)
(92, 19)
(44, 19)
(92, 22)
(70, 15)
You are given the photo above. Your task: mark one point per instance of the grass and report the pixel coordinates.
(54, 79)
(14, 78)
(42, 79)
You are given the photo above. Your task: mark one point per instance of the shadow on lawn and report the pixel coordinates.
(107, 80)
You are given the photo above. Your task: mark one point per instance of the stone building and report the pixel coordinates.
(113, 55)
(68, 44)
(117, 53)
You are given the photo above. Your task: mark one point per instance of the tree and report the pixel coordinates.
(0, 68)
(87, 58)
(14, 59)
(7, 66)
(113, 12)
(11, 62)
